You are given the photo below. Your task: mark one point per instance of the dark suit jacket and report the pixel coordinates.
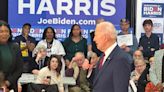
(115, 73)
(142, 81)
(33, 65)
(91, 78)
(15, 70)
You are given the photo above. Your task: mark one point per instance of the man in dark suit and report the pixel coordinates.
(113, 69)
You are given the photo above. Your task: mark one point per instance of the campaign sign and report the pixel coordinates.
(62, 14)
(153, 10)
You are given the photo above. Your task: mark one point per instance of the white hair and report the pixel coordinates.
(108, 28)
(37, 49)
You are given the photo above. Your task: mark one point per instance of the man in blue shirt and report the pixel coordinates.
(125, 24)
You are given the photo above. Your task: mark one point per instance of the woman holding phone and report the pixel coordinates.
(50, 74)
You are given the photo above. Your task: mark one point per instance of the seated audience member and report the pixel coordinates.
(137, 55)
(157, 70)
(140, 74)
(93, 62)
(39, 60)
(75, 43)
(125, 25)
(72, 69)
(82, 84)
(53, 46)
(27, 45)
(149, 42)
(50, 74)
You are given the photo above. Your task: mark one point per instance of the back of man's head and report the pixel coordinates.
(108, 28)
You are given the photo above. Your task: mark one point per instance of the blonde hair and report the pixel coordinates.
(138, 61)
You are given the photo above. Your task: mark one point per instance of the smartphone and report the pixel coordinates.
(49, 77)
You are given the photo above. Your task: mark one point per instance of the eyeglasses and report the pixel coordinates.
(138, 66)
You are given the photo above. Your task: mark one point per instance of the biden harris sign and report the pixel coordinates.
(152, 10)
(62, 14)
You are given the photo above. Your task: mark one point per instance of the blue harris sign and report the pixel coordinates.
(62, 14)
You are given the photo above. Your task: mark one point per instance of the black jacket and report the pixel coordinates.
(15, 71)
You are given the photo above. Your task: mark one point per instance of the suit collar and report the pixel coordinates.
(109, 51)
(107, 62)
